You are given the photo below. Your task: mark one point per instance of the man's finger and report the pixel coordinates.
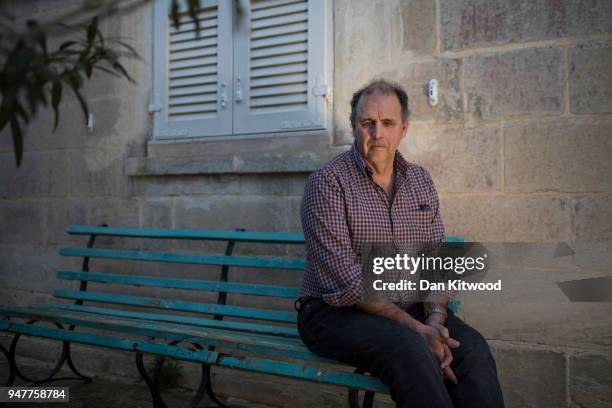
(448, 358)
(444, 333)
(452, 343)
(448, 372)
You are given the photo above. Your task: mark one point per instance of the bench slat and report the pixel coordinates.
(179, 305)
(243, 236)
(261, 365)
(175, 283)
(150, 256)
(194, 321)
(268, 345)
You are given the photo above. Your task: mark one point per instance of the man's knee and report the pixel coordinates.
(474, 349)
(408, 349)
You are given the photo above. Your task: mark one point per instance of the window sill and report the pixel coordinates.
(264, 154)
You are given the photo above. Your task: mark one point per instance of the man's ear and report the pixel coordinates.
(405, 127)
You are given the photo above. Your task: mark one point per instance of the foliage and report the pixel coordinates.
(32, 76)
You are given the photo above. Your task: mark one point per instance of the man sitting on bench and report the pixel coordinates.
(425, 354)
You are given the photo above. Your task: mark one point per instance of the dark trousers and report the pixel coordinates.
(401, 358)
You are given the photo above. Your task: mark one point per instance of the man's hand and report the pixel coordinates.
(440, 343)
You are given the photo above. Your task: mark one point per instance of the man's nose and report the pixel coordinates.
(376, 131)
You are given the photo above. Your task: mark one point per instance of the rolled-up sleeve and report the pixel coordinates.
(330, 256)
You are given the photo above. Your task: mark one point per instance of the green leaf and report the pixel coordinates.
(56, 97)
(194, 6)
(92, 29)
(88, 68)
(4, 119)
(67, 44)
(174, 14)
(17, 140)
(82, 101)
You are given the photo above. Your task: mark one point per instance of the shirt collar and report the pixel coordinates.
(400, 165)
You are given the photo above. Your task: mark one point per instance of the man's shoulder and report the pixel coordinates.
(418, 172)
(334, 170)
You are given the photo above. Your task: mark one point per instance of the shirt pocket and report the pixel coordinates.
(417, 225)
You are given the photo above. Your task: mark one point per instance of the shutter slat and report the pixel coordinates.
(279, 80)
(195, 108)
(193, 53)
(196, 99)
(280, 30)
(202, 14)
(264, 4)
(282, 70)
(278, 21)
(190, 26)
(279, 10)
(192, 36)
(279, 90)
(280, 60)
(194, 72)
(194, 62)
(276, 41)
(194, 81)
(193, 90)
(278, 100)
(280, 50)
(189, 45)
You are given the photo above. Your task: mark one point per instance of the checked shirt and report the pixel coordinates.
(343, 209)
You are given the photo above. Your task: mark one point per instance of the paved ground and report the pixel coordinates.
(120, 393)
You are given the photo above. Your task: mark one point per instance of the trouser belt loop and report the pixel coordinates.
(297, 305)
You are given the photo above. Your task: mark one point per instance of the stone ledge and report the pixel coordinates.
(234, 164)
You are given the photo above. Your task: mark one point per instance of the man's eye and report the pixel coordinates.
(366, 124)
(388, 123)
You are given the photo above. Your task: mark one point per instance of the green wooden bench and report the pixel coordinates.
(261, 340)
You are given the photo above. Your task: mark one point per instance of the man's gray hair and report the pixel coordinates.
(386, 87)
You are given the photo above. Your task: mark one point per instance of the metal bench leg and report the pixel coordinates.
(153, 383)
(209, 389)
(71, 364)
(158, 402)
(65, 356)
(353, 395)
(11, 377)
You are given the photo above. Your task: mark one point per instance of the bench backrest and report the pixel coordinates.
(283, 320)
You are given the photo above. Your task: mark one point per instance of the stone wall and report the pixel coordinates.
(519, 146)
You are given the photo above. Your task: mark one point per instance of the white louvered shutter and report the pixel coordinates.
(279, 52)
(192, 85)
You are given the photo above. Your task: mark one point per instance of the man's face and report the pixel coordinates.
(379, 127)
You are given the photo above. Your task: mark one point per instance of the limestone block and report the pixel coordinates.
(529, 81)
(590, 376)
(562, 154)
(415, 77)
(419, 23)
(531, 377)
(458, 159)
(22, 222)
(189, 185)
(30, 267)
(477, 23)
(557, 322)
(41, 174)
(97, 173)
(62, 213)
(593, 219)
(508, 218)
(590, 81)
